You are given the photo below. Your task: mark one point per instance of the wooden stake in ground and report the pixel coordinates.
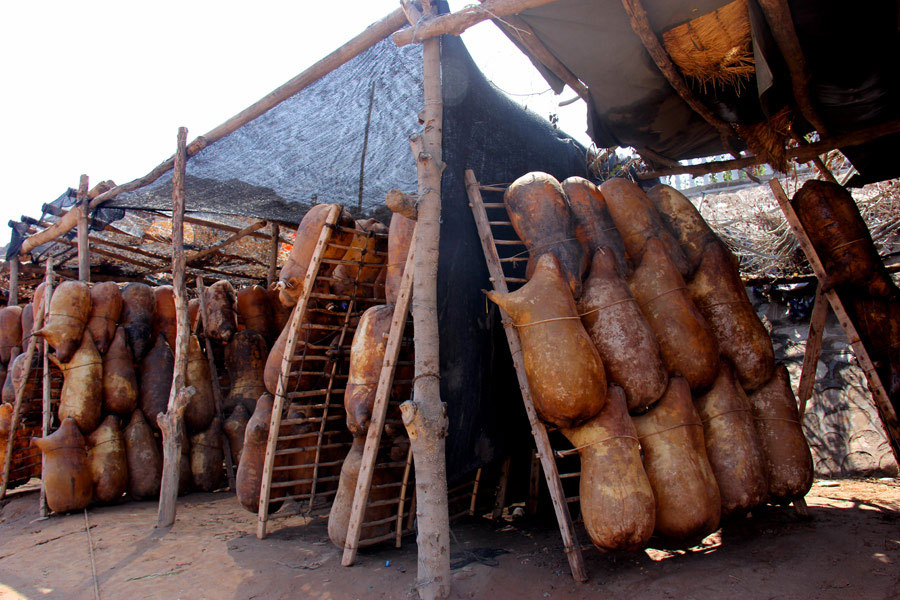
(82, 203)
(46, 408)
(425, 416)
(171, 423)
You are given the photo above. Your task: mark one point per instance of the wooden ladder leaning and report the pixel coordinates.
(321, 409)
(541, 439)
(817, 323)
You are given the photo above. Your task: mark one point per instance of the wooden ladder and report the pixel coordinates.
(499, 281)
(324, 354)
(817, 324)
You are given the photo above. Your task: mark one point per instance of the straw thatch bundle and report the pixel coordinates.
(714, 49)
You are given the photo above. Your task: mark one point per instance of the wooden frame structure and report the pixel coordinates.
(320, 411)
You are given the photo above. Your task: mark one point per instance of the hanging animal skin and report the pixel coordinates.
(719, 294)
(400, 236)
(368, 248)
(683, 221)
(245, 359)
(594, 227)
(789, 465)
(106, 310)
(366, 358)
(70, 307)
(157, 369)
(254, 310)
(290, 278)
(164, 318)
(120, 388)
(66, 474)
(221, 321)
(564, 371)
(235, 426)
(637, 221)
(138, 308)
(10, 331)
(539, 212)
(108, 461)
(143, 458)
(617, 502)
(305, 335)
(732, 445)
(81, 397)
(621, 334)
(248, 480)
(281, 314)
(206, 458)
(688, 505)
(201, 408)
(688, 346)
(9, 389)
(28, 326)
(185, 478)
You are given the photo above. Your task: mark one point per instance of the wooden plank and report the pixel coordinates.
(46, 399)
(813, 349)
(401, 505)
(379, 409)
(545, 452)
(879, 394)
(502, 485)
(217, 389)
(286, 360)
(272, 274)
(84, 250)
(456, 22)
(13, 282)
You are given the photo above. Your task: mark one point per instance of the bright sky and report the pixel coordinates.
(101, 87)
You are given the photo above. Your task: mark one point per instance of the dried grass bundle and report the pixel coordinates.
(714, 49)
(767, 139)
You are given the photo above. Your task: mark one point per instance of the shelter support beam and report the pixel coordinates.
(171, 423)
(84, 249)
(800, 154)
(46, 407)
(425, 416)
(882, 400)
(778, 16)
(13, 282)
(457, 22)
(813, 349)
(272, 274)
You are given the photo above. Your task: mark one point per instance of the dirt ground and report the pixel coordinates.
(849, 547)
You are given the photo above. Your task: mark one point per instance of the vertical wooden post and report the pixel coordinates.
(82, 206)
(425, 416)
(13, 281)
(272, 275)
(171, 422)
(813, 349)
(46, 408)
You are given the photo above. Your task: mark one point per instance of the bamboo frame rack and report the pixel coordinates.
(500, 282)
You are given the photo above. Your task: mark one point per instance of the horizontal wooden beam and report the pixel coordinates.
(230, 240)
(457, 22)
(800, 154)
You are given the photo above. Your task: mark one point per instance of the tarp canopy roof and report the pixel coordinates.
(850, 50)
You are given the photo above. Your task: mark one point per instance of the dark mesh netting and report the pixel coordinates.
(309, 148)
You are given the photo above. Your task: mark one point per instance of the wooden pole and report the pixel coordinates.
(455, 23)
(813, 349)
(365, 146)
(800, 154)
(13, 282)
(272, 275)
(214, 374)
(46, 406)
(230, 240)
(879, 394)
(373, 34)
(781, 24)
(84, 250)
(171, 423)
(379, 412)
(425, 416)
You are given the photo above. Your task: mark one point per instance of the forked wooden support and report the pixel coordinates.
(813, 350)
(882, 400)
(217, 389)
(545, 452)
(379, 411)
(286, 361)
